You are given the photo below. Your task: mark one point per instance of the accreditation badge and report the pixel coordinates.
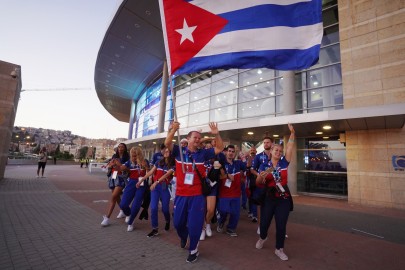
(189, 178)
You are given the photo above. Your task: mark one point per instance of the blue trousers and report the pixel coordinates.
(161, 192)
(280, 209)
(229, 206)
(252, 206)
(131, 193)
(189, 214)
(244, 196)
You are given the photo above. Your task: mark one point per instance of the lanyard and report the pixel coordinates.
(189, 156)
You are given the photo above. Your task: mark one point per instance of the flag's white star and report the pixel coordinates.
(186, 32)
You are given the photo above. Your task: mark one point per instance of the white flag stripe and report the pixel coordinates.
(223, 6)
(274, 38)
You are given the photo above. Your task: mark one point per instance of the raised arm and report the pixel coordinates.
(290, 143)
(167, 174)
(219, 146)
(170, 135)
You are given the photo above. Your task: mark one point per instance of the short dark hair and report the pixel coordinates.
(267, 137)
(230, 146)
(162, 146)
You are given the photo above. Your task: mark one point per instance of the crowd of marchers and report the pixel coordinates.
(208, 184)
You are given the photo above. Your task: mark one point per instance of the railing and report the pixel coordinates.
(98, 165)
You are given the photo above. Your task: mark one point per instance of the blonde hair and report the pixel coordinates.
(140, 159)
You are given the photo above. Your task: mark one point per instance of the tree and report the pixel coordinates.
(83, 152)
(57, 150)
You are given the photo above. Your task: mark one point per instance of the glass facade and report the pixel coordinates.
(231, 95)
(147, 111)
(322, 167)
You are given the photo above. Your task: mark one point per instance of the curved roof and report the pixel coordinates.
(130, 57)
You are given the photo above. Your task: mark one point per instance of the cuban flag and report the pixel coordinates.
(222, 34)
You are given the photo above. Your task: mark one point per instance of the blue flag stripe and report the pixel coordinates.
(287, 59)
(264, 16)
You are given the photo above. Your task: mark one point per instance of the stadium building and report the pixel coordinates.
(348, 110)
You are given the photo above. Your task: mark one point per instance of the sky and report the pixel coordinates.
(56, 43)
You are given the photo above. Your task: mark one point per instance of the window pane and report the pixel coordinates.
(200, 81)
(324, 76)
(223, 114)
(200, 105)
(325, 97)
(300, 80)
(330, 16)
(182, 89)
(182, 110)
(279, 86)
(182, 99)
(200, 93)
(183, 121)
(224, 85)
(330, 35)
(328, 55)
(255, 91)
(198, 119)
(255, 76)
(256, 108)
(224, 74)
(224, 99)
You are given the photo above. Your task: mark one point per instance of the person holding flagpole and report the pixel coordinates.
(189, 204)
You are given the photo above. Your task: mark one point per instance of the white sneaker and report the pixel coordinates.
(127, 219)
(260, 242)
(208, 230)
(258, 230)
(121, 214)
(130, 228)
(105, 222)
(202, 236)
(280, 253)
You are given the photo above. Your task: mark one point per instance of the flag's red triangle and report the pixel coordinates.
(206, 24)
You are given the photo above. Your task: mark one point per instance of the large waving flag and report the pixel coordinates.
(213, 34)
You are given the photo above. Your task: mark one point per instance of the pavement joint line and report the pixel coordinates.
(371, 234)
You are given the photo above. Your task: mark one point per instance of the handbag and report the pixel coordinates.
(205, 186)
(259, 198)
(109, 171)
(111, 183)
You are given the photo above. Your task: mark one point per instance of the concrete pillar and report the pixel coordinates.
(10, 89)
(288, 105)
(289, 109)
(163, 98)
(132, 118)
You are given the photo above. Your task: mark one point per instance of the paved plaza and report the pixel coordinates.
(54, 223)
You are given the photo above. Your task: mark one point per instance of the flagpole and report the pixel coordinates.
(175, 119)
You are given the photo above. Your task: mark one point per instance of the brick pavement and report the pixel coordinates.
(54, 223)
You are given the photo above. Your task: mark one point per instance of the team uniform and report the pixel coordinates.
(161, 192)
(277, 203)
(230, 193)
(257, 161)
(131, 192)
(158, 156)
(190, 204)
